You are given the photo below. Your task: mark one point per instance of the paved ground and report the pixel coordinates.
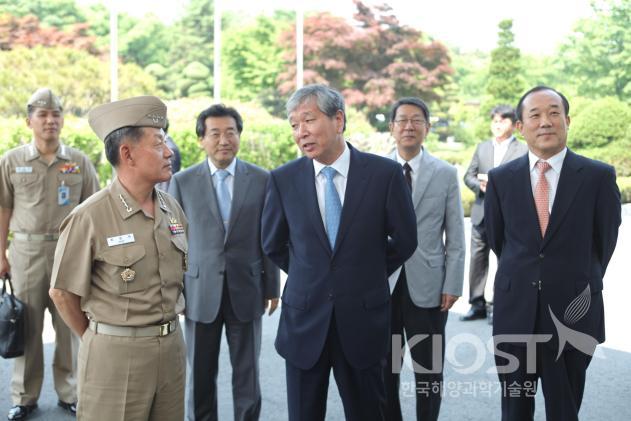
(469, 396)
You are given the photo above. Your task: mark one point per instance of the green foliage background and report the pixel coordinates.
(592, 67)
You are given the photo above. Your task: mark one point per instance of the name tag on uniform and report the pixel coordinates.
(121, 239)
(23, 170)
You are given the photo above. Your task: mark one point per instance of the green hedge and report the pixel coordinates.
(624, 184)
(600, 124)
(267, 142)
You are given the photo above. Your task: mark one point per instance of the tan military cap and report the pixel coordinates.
(141, 111)
(44, 98)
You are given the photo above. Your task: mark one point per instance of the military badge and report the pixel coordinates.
(175, 227)
(128, 275)
(70, 168)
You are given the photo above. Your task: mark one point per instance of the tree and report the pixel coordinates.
(253, 57)
(80, 79)
(596, 57)
(505, 85)
(372, 63)
(146, 42)
(27, 32)
(191, 49)
(56, 13)
(601, 123)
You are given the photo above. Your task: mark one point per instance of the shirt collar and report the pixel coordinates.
(504, 143)
(414, 163)
(33, 153)
(127, 205)
(555, 161)
(123, 201)
(230, 168)
(341, 164)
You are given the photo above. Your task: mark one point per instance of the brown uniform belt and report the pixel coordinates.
(22, 236)
(142, 331)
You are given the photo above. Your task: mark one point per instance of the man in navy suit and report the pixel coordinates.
(552, 219)
(338, 221)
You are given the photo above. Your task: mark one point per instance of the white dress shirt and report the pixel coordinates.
(499, 150)
(414, 163)
(552, 175)
(229, 179)
(341, 165)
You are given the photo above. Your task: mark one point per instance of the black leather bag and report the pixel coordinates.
(11, 322)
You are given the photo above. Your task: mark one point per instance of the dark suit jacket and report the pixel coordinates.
(377, 234)
(579, 241)
(482, 163)
(250, 276)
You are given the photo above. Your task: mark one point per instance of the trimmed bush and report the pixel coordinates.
(624, 184)
(600, 124)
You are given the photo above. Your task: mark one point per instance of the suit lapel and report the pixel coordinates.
(570, 180)
(425, 173)
(210, 199)
(305, 186)
(486, 156)
(239, 192)
(356, 185)
(510, 151)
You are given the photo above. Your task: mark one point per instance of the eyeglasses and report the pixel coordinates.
(415, 122)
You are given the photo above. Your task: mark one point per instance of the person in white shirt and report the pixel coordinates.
(502, 148)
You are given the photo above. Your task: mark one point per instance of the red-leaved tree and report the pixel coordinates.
(27, 32)
(372, 63)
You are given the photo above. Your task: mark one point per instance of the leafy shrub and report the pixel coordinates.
(78, 78)
(624, 184)
(600, 123)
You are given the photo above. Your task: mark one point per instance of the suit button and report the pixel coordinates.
(533, 283)
(330, 297)
(541, 255)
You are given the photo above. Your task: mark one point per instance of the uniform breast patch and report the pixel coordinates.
(175, 227)
(70, 168)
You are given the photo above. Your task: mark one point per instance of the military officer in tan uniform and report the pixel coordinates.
(40, 183)
(118, 274)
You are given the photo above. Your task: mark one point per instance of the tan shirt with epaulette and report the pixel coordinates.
(31, 187)
(126, 266)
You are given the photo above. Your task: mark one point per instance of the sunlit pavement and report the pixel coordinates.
(471, 388)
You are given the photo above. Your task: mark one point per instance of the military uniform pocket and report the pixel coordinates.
(27, 186)
(121, 265)
(73, 182)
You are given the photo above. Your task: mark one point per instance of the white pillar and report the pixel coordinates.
(217, 53)
(299, 46)
(113, 52)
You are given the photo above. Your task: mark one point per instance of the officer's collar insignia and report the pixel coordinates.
(127, 208)
(163, 204)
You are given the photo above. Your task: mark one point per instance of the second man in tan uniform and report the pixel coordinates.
(118, 274)
(40, 183)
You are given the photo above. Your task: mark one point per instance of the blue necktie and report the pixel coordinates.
(332, 205)
(223, 197)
